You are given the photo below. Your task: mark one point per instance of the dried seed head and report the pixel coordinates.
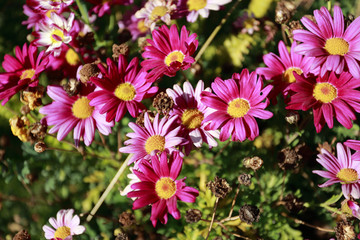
(72, 87)
(22, 235)
(345, 231)
(86, 39)
(249, 214)
(193, 215)
(219, 187)
(293, 204)
(284, 11)
(87, 71)
(294, 25)
(288, 159)
(37, 131)
(127, 219)
(163, 103)
(25, 109)
(292, 117)
(349, 19)
(122, 236)
(32, 96)
(140, 118)
(18, 127)
(245, 179)
(40, 147)
(254, 163)
(122, 49)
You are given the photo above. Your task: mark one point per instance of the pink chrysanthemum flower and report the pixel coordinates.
(354, 208)
(168, 53)
(155, 10)
(159, 135)
(334, 46)
(64, 226)
(202, 7)
(104, 7)
(67, 113)
(328, 96)
(343, 169)
(21, 71)
(237, 101)
(135, 25)
(280, 69)
(54, 32)
(191, 111)
(160, 188)
(121, 88)
(355, 145)
(49, 4)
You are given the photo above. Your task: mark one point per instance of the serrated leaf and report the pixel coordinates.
(333, 199)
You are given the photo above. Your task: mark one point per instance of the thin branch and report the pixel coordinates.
(108, 189)
(307, 224)
(212, 218)
(234, 200)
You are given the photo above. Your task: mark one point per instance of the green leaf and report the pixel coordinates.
(83, 11)
(333, 199)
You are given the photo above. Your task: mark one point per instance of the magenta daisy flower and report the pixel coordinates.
(342, 169)
(67, 113)
(355, 145)
(159, 135)
(64, 226)
(160, 188)
(21, 71)
(280, 69)
(237, 101)
(121, 88)
(334, 46)
(191, 111)
(202, 7)
(168, 53)
(354, 208)
(328, 96)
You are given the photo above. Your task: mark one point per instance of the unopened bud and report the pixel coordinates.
(40, 147)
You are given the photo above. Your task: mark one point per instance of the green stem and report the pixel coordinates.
(108, 189)
(216, 30)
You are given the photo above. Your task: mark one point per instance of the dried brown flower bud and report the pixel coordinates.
(288, 159)
(292, 117)
(37, 131)
(254, 163)
(140, 119)
(25, 109)
(122, 49)
(40, 147)
(193, 215)
(249, 214)
(294, 25)
(22, 235)
(122, 236)
(163, 103)
(345, 231)
(86, 39)
(72, 87)
(284, 11)
(87, 71)
(349, 19)
(127, 219)
(245, 179)
(293, 204)
(32, 96)
(219, 187)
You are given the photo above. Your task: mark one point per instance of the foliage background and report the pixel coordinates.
(33, 186)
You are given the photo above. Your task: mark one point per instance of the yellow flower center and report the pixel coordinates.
(337, 46)
(195, 5)
(72, 58)
(324, 92)
(155, 142)
(62, 232)
(165, 188)
(174, 56)
(288, 75)
(48, 13)
(141, 26)
(28, 73)
(238, 108)
(158, 12)
(192, 118)
(82, 109)
(58, 33)
(125, 91)
(347, 175)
